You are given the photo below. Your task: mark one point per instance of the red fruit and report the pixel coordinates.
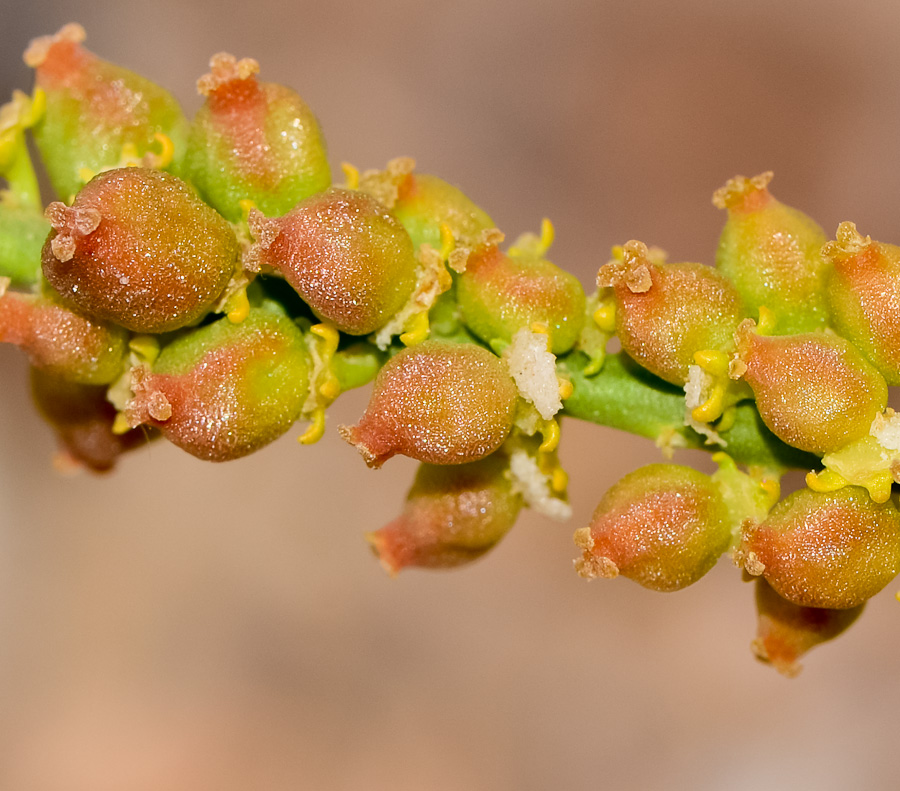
(833, 550)
(663, 526)
(438, 402)
(139, 248)
(667, 312)
(815, 391)
(452, 516)
(787, 631)
(344, 253)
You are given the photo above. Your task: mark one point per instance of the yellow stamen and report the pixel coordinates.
(448, 243)
(351, 174)
(548, 234)
(328, 334)
(540, 328)
(85, 174)
(316, 429)
(550, 433)
(566, 388)
(418, 330)
(772, 488)
(559, 480)
(713, 362)
(146, 347)
(605, 317)
(713, 407)
(330, 389)
(120, 424)
(167, 151)
(767, 321)
(825, 481)
(247, 206)
(237, 307)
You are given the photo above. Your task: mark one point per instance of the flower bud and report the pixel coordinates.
(226, 390)
(772, 254)
(667, 312)
(864, 297)
(814, 391)
(834, 549)
(139, 248)
(83, 420)
(500, 294)
(786, 631)
(253, 141)
(663, 526)
(438, 402)
(452, 516)
(343, 252)
(60, 341)
(98, 115)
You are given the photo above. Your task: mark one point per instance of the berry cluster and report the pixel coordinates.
(205, 282)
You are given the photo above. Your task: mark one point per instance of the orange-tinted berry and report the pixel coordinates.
(864, 297)
(814, 391)
(225, 390)
(663, 526)
(253, 141)
(60, 341)
(345, 255)
(438, 402)
(667, 312)
(772, 254)
(786, 631)
(98, 114)
(83, 420)
(499, 294)
(452, 516)
(833, 550)
(139, 248)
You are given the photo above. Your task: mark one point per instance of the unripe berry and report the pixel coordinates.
(83, 420)
(438, 402)
(139, 248)
(667, 312)
(452, 516)
(253, 140)
(344, 253)
(500, 294)
(786, 631)
(60, 341)
(225, 390)
(864, 296)
(98, 114)
(833, 550)
(663, 526)
(814, 391)
(772, 254)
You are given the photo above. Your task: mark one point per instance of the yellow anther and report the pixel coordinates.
(559, 481)
(727, 419)
(713, 407)
(713, 362)
(548, 234)
(566, 388)
(825, 481)
(596, 363)
(146, 347)
(550, 433)
(85, 174)
(120, 424)
(879, 486)
(540, 328)
(316, 429)
(37, 109)
(328, 334)
(605, 317)
(351, 174)
(237, 307)
(617, 252)
(129, 157)
(772, 488)
(166, 151)
(767, 321)
(448, 243)
(247, 206)
(419, 328)
(330, 388)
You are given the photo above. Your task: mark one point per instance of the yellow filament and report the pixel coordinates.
(447, 242)
(596, 363)
(328, 334)
(879, 486)
(825, 481)
(167, 151)
(146, 347)
(330, 388)
(548, 234)
(713, 407)
(566, 388)
(767, 321)
(418, 330)
(351, 174)
(605, 317)
(316, 429)
(559, 480)
(238, 307)
(128, 157)
(37, 109)
(85, 174)
(713, 362)
(120, 424)
(550, 433)
(247, 206)
(772, 488)
(540, 328)
(727, 419)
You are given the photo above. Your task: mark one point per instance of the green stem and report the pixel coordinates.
(625, 396)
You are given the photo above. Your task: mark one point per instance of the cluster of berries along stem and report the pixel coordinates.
(204, 281)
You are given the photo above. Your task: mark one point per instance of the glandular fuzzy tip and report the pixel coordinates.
(744, 193)
(848, 242)
(39, 48)
(225, 69)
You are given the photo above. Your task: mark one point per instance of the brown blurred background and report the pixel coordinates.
(179, 625)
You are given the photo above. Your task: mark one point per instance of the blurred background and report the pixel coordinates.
(180, 625)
